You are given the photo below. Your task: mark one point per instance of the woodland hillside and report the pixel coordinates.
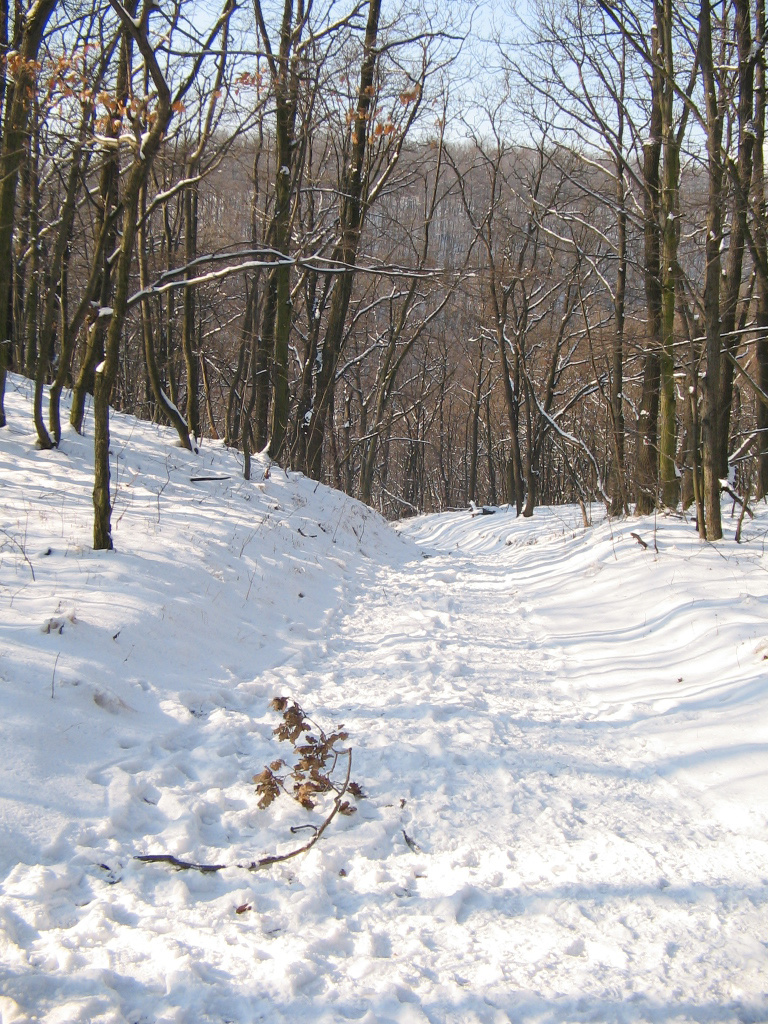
(428, 254)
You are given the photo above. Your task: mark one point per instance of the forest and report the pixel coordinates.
(431, 255)
(276, 278)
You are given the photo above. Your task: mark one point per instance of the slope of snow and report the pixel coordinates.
(562, 737)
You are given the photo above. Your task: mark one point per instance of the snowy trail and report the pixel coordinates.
(558, 873)
(563, 738)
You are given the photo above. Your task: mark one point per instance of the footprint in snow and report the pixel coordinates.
(576, 948)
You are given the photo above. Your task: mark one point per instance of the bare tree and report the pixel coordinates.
(148, 135)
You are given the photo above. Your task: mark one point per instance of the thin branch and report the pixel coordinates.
(265, 862)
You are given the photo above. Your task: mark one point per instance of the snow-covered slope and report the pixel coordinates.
(651, 637)
(562, 737)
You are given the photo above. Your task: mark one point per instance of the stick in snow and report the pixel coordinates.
(265, 862)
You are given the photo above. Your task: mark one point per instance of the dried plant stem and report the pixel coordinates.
(21, 548)
(53, 677)
(279, 858)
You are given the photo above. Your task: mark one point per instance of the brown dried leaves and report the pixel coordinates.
(316, 756)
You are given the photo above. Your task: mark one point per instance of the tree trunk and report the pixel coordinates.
(345, 252)
(760, 231)
(18, 98)
(670, 234)
(516, 488)
(31, 175)
(491, 466)
(285, 81)
(188, 315)
(742, 174)
(475, 427)
(647, 448)
(710, 418)
(55, 297)
(163, 402)
(136, 179)
(106, 372)
(530, 452)
(618, 490)
(106, 232)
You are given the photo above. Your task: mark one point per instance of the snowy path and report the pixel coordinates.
(563, 738)
(559, 873)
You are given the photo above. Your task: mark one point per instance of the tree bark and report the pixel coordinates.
(18, 99)
(345, 252)
(670, 234)
(106, 227)
(760, 234)
(710, 418)
(742, 178)
(646, 470)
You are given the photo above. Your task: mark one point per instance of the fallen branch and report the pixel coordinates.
(265, 862)
(725, 486)
(411, 843)
(484, 510)
(53, 677)
(180, 865)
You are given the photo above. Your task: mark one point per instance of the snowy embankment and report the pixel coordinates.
(562, 736)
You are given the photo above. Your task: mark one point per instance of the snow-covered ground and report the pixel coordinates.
(561, 735)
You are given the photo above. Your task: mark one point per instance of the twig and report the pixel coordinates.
(21, 549)
(53, 677)
(410, 843)
(180, 865)
(655, 525)
(168, 480)
(265, 862)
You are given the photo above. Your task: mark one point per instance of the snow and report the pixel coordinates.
(561, 735)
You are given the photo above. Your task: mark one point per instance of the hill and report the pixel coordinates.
(561, 736)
